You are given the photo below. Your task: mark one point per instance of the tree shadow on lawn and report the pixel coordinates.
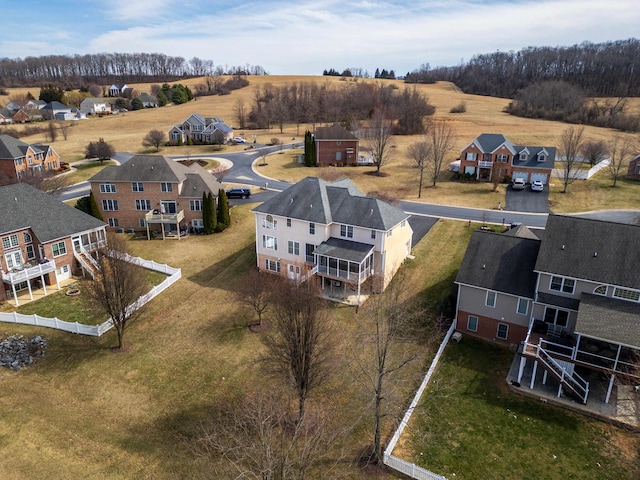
(226, 272)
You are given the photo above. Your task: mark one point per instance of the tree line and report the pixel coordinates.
(73, 71)
(600, 69)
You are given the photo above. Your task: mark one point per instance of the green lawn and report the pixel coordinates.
(84, 171)
(470, 426)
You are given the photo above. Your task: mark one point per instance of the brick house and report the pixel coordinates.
(571, 301)
(153, 193)
(349, 243)
(201, 130)
(633, 172)
(492, 155)
(19, 159)
(336, 145)
(43, 241)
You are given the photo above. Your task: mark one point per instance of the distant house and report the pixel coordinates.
(95, 106)
(44, 241)
(153, 192)
(633, 171)
(201, 130)
(28, 105)
(6, 116)
(148, 100)
(19, 159)
(23, 115)
(336, 145)
(571, 300)
(117, 89)
(332, 234)
(57, 111)
(492, 155)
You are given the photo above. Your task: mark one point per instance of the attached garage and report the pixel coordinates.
(524, 175)
(539, 176)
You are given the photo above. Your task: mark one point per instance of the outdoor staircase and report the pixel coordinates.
(89, 264)
(563, 372)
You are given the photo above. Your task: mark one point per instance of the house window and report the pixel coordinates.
(272, 265)
(144, 205)
(288, 222)
(142, 222)
(626, 294)
(561, 284)
(373, 234)
(556, 316)
(137, 187)
(523, 156)
(107, 188)
(312, 228)
(195, 205)
(472, 323)
(270, 223)
(166, 187)
(523, 306)
(309, 248)
(108, 205)
(27, 237)
(10, 241)
(490, 300)
(471, 157)
(293, 248)
(542, 157)
(501, 157)
(59, 249)
(338, 156)
(269, 242)
(346, 231)
(31, 253)
(113, 222)
(600, 290)
(503, 331)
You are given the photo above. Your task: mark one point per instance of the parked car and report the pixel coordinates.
(519, 184)
(537, 186)
(239, 140)
(238, 193)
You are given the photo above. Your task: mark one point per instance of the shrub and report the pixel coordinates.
(460, 108)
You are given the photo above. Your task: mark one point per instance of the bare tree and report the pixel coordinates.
(240, 111)
(118, 286)
(595, 151)
(377, 139)
(420, 152)
(255, 291)
(299, 344)
(154, 138)
(386, 348)
(100, 150)
(64, 129)
(569, 149)
(254, 438)
(442, 138)
(52, 132)
(620, 153)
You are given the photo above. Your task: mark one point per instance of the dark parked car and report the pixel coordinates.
(238, 193)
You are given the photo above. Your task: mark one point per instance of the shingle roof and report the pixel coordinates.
(317, 201)
(334, 132)
(558, 301)
(533, 155)
(488, 142)
(499, 262)
(595, 250)
(24, 206)
(609, 319)
(55, 105)
(344, 249)
(12, 148)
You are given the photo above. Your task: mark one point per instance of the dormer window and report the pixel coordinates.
(542, 157)
(523, 156)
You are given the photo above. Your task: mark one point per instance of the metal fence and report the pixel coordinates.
(396, 463)
(97, 330)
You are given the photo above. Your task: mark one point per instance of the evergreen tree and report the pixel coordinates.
(309, 150)
(94, 211)
(82, 204)
(51, 93)
(208, 213)
(162, 99)
(136, 104)
(224, 219)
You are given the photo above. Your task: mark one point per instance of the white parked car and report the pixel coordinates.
(537, 186)
(519, 184)
(239, 140)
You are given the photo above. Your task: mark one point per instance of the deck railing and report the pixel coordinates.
(18, 276)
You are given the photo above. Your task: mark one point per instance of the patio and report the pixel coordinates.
(24, 298)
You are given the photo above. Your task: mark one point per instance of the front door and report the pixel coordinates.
(168, 206)
(294, 272)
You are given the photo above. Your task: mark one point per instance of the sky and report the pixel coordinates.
(307, 36)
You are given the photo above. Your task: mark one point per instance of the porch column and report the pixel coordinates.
(29, 288)
(147, 223)
(611, 380)
(533, 374)
(44, 285)
(544, 377)
(15, 294)
(523, 361)
(57, 281)
(574, 354)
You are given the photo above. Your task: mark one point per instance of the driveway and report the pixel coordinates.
(527, 201)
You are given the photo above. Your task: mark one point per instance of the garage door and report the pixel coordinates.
(539, 176)
(524, 175)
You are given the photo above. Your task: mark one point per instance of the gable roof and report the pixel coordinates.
(12, 148)
(490, 142)
(157, 168)
(334, 132)
(317, 201)
(24, 206)
(6, 113)
(55, 105)
(94, 101)
(594, 313)
(595, 250)
(533, 154)
(503, 263)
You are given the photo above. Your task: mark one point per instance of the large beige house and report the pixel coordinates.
(346, 241)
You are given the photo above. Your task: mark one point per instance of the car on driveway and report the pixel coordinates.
(519, 184)
(537, 186)
(238, 193)
(239, 140)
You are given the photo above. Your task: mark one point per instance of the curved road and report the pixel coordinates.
(243, 171)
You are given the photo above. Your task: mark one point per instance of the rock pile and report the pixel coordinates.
(17, 352)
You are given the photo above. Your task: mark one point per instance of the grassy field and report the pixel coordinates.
(469, 426)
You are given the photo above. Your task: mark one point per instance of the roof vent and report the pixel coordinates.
(291, 201)
(595, 254)
(484, 266)
(151, 167)
(562, 247)
(311, 205)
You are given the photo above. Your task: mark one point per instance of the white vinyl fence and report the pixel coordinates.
(558, 172)
(396, 463)
(174, 274)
